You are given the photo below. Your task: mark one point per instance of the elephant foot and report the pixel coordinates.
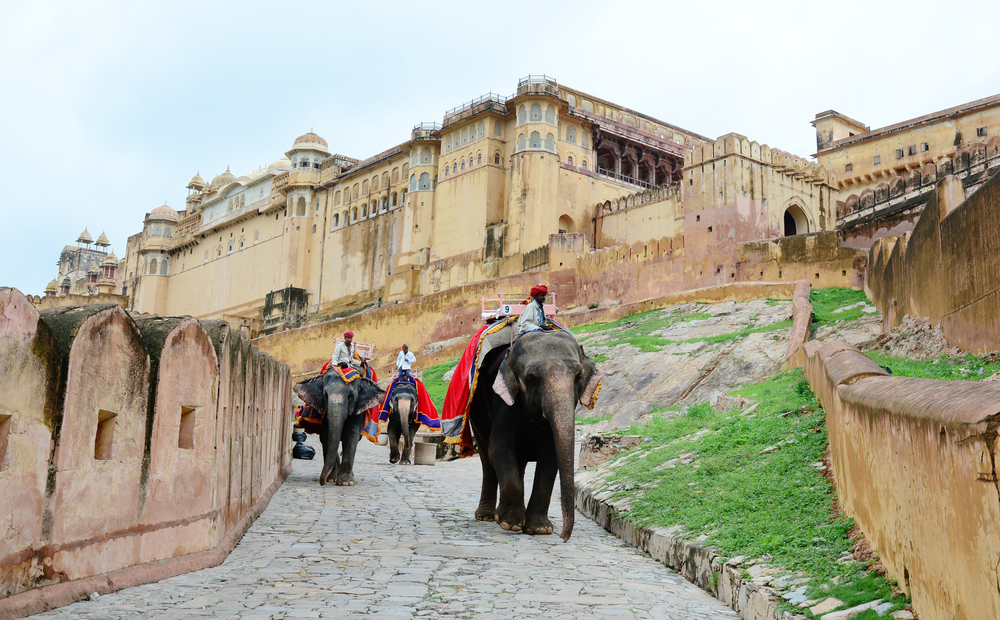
(346, 480)
(510, 519)
(537, 525)
(486, 513)
(393, 460)
(404, 462)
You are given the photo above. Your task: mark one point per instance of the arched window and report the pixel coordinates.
(354, 215)
(218, 252)
(550, 115)
(536, 112)
(356, 191)
(385, 179)
(447, 169)
(300, 208)
(402, 197)
(520, 142)
(425, 156)
(395, 199)
(336, 198)
(584, 164)
(336, 220)
(463, 163)
(550, 142)
(482, 129)
(413, 182)
(230, 251)
(405, 168)
(152, 267)
(364, 187)
(241, 243)
(395, 176)
(795, 221)
(157, 230)
(565, 224)
(385, 205)
(584, 141)
(364, 211)
(569, 160)
(496, 158)
(497, 131)
(374, 208)
(317, 164)
(345, 219)
(375, 183)
(570, 135)
(425, 181)
(206, 256)
(465, 136)
(447, 144)
(163, 267)
(479, 159)
(535, 141)
(522, 115)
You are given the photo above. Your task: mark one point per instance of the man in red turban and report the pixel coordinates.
(533, 316)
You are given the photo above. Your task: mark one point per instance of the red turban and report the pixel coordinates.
(348, 334)
(537, 289)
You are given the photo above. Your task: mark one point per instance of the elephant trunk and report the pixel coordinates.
(331, 447)
(563, 424)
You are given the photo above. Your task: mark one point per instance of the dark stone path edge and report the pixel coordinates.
(700, 565)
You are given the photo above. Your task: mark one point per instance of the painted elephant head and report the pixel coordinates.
(548, 374)
(345, 404)
(401, 427)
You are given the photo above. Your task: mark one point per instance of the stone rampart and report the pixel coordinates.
(947, 269)
(137, 448)
(914, 465)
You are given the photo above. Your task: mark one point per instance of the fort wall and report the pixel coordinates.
(946, 269)
(913, 462)
(126, 441)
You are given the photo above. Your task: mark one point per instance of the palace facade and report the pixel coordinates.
(477, 196)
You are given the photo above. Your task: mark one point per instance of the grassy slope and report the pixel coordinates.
(746, 502)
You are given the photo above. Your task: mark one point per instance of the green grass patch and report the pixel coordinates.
(647, 342)
(746, 502)
(826, 300)
(642, 323)
(592, 419)
(601, 358)
(436, 388)
(966, 367)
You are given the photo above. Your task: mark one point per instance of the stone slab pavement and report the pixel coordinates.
(404, 543)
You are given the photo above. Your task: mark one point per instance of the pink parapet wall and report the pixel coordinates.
(161, 438)
(913, 465)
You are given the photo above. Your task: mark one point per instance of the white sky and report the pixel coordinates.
(108, 108)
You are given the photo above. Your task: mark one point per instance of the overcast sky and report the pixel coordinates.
(109, 108)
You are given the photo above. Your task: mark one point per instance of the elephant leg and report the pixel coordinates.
(510, 473)
(486, 511)
(350, 437)
(393, 431)
(409, 433)
(536, 520)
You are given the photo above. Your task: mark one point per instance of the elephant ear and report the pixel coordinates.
(311, 392)
(505, 384)
(590, 381)
(369, 394)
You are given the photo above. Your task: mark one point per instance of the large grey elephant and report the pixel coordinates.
(345, 405)
(530, 415)
(401, 424)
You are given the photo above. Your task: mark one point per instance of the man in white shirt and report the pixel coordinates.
(343, 354)
(533, 316)
(405, 361)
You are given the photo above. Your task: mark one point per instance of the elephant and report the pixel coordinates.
(530, 415)
(401, 423)
(345, 405)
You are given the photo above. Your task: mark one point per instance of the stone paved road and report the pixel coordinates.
(404, 544)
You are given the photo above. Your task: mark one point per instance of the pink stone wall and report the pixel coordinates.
(200, 439)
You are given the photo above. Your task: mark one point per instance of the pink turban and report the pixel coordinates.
(539, 288)
(348, 334)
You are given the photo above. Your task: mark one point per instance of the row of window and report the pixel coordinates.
(159, 230)
(470, 134)
(366, 187)
(911, 150)
(367, 210)
(535, 114)
(303, 163)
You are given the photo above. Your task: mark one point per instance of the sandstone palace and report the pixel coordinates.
(547, 179)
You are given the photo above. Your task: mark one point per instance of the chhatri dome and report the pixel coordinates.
(222, 180)
(197, 180)
(282, 165)
(102, 241)
(163, 212)
(85, 237)
(110, 259)
(308, 139)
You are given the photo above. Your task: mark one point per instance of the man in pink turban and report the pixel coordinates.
(343, 354)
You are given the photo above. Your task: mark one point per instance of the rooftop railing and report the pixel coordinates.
(537, 79)
(427, 127)
(488, 97)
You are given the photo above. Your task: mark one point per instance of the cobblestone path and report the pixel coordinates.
(403, 543)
